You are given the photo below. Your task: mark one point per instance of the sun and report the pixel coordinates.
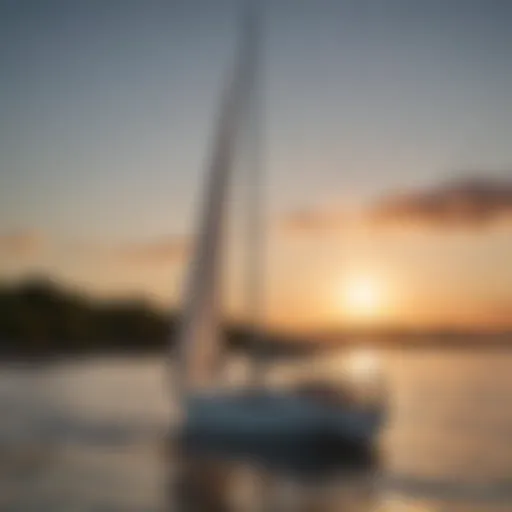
(361, 297)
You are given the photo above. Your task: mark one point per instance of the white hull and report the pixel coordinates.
(280, 412)
(281, 430)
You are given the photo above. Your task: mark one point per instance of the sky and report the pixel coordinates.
(387, 152)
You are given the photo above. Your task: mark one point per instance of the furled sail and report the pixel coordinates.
(199, 339)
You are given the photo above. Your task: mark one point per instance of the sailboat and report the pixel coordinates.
(279, 428)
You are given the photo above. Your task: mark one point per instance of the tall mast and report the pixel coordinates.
(198, 342)
(255, 242)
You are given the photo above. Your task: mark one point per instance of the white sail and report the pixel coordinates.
(198, 342)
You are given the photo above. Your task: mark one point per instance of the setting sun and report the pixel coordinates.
(361, 297)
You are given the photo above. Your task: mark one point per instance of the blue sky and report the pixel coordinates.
(107, 110)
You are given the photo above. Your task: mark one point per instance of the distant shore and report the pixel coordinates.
(41, 320)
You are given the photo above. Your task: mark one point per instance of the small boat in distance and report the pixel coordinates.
(304, 427)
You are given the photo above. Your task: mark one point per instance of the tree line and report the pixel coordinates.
(39, 318)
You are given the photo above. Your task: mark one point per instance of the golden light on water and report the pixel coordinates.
(363, 363)
(359, 365)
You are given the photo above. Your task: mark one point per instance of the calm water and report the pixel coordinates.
(89, 436)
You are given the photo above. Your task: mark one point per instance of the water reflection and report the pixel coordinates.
(227, 486)
(91, 436)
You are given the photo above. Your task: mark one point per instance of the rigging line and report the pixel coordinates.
(255, 197)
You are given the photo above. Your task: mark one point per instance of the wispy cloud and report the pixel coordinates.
(467, 204)
(313, 220)
(22, 244)
(151, 252)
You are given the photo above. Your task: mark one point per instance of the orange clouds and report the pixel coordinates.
(165, 250)
(472, 204)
